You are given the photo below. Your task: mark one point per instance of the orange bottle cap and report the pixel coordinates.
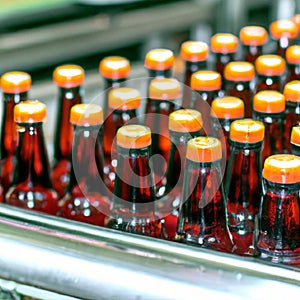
(296, 19)
(204, 149)
(185, 120)
(194, 51)
(270, 65)
(114, 67)
(269, 102)
(68, 76)
(239, 71)
(292, 91)
(159, 59)
(247, 131)
(295, 135)
(164, 89)
(30, 112)
(86, 115)
(284, 28)
(292, 54)
(124, 98)
(134, 136)
(224, 43)
(253, 35)
(228, 108)
(15, 82)
(282, 168)
(206, 81)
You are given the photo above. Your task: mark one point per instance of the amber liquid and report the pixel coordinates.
(251, 53)
(293, 72)
(221, 61)
(269, 83)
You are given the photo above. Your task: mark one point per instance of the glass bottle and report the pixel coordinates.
(184, 124)
(253, 39)
(279, 226)
(15, 86)
(32, 187)
(123, 103)
(293, 63)
(291, 93)
(295, 140)
(69, 80)
(239, 78)
(133, 198)
(86, 197)
(296, 19)
(195, 55)
(243, 181)
(269, 108)
(202, 213)
(115, 71)
(207, 84)
(283, 31)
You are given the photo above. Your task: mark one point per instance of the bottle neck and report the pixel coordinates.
(160, 73)
(293, 72)
(269, 83)
(251, 53)
(191, 68)
(282, 44)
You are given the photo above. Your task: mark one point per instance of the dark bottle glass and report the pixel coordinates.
(269, 69)
(133, 199)
(269, 107)
(239, 77)
(32, 187)
(243, 181)
(15, 87)
(295, 140)
(283, 32)
(86, 197)
(291, 93)
(184, 124)
(202, 214)
(194, 54)
(115, 71)
(207, 84)
(293, 63)
(253, 39)
(69, 79)
(122, 108)
(279, 226)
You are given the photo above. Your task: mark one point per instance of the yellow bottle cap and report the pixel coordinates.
(185, 120)
(15, 82)
(159, 59)
(124, 98)
(86, 115)
(282, 168)
(292, 54)
(247, 131)
(68, 76)
(30, 112)
(253, 35)
(292, 91)
(270, 65)
(269, 102)
(228, 108)
(114, 67)
(239, 71)
(164, 89)
(224, 43)
(284, 28)
(206, 81)
(194, 51)
(134, 136)
(295, 135)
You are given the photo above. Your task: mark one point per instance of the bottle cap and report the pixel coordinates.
(15, 82)
(270, 65)
(185, 120)
(159, 59)
(296, 19)
(295, 135)
(134, 136)
(68, 76)
(292, 54)
(164, 89)
(124, 98)
(224, 43)
(253, 35)
(30, 111)
(86, 115)
(239, 71)
(204, 149)
(269, 102)
(114, 67)
(282, 168)
(247, 131)
(292, 91)
(194, 51)
(206, 81)
(228, 108)
(284, 28)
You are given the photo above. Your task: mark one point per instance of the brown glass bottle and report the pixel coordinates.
(243, 181)
(293, 63)
(86, 197)
(31, 187)
(134, 190)
(15, 87)
(202, 214)
(295, 140)
(239, 77)
(69, 79)
(122, 109)
(114, 70)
